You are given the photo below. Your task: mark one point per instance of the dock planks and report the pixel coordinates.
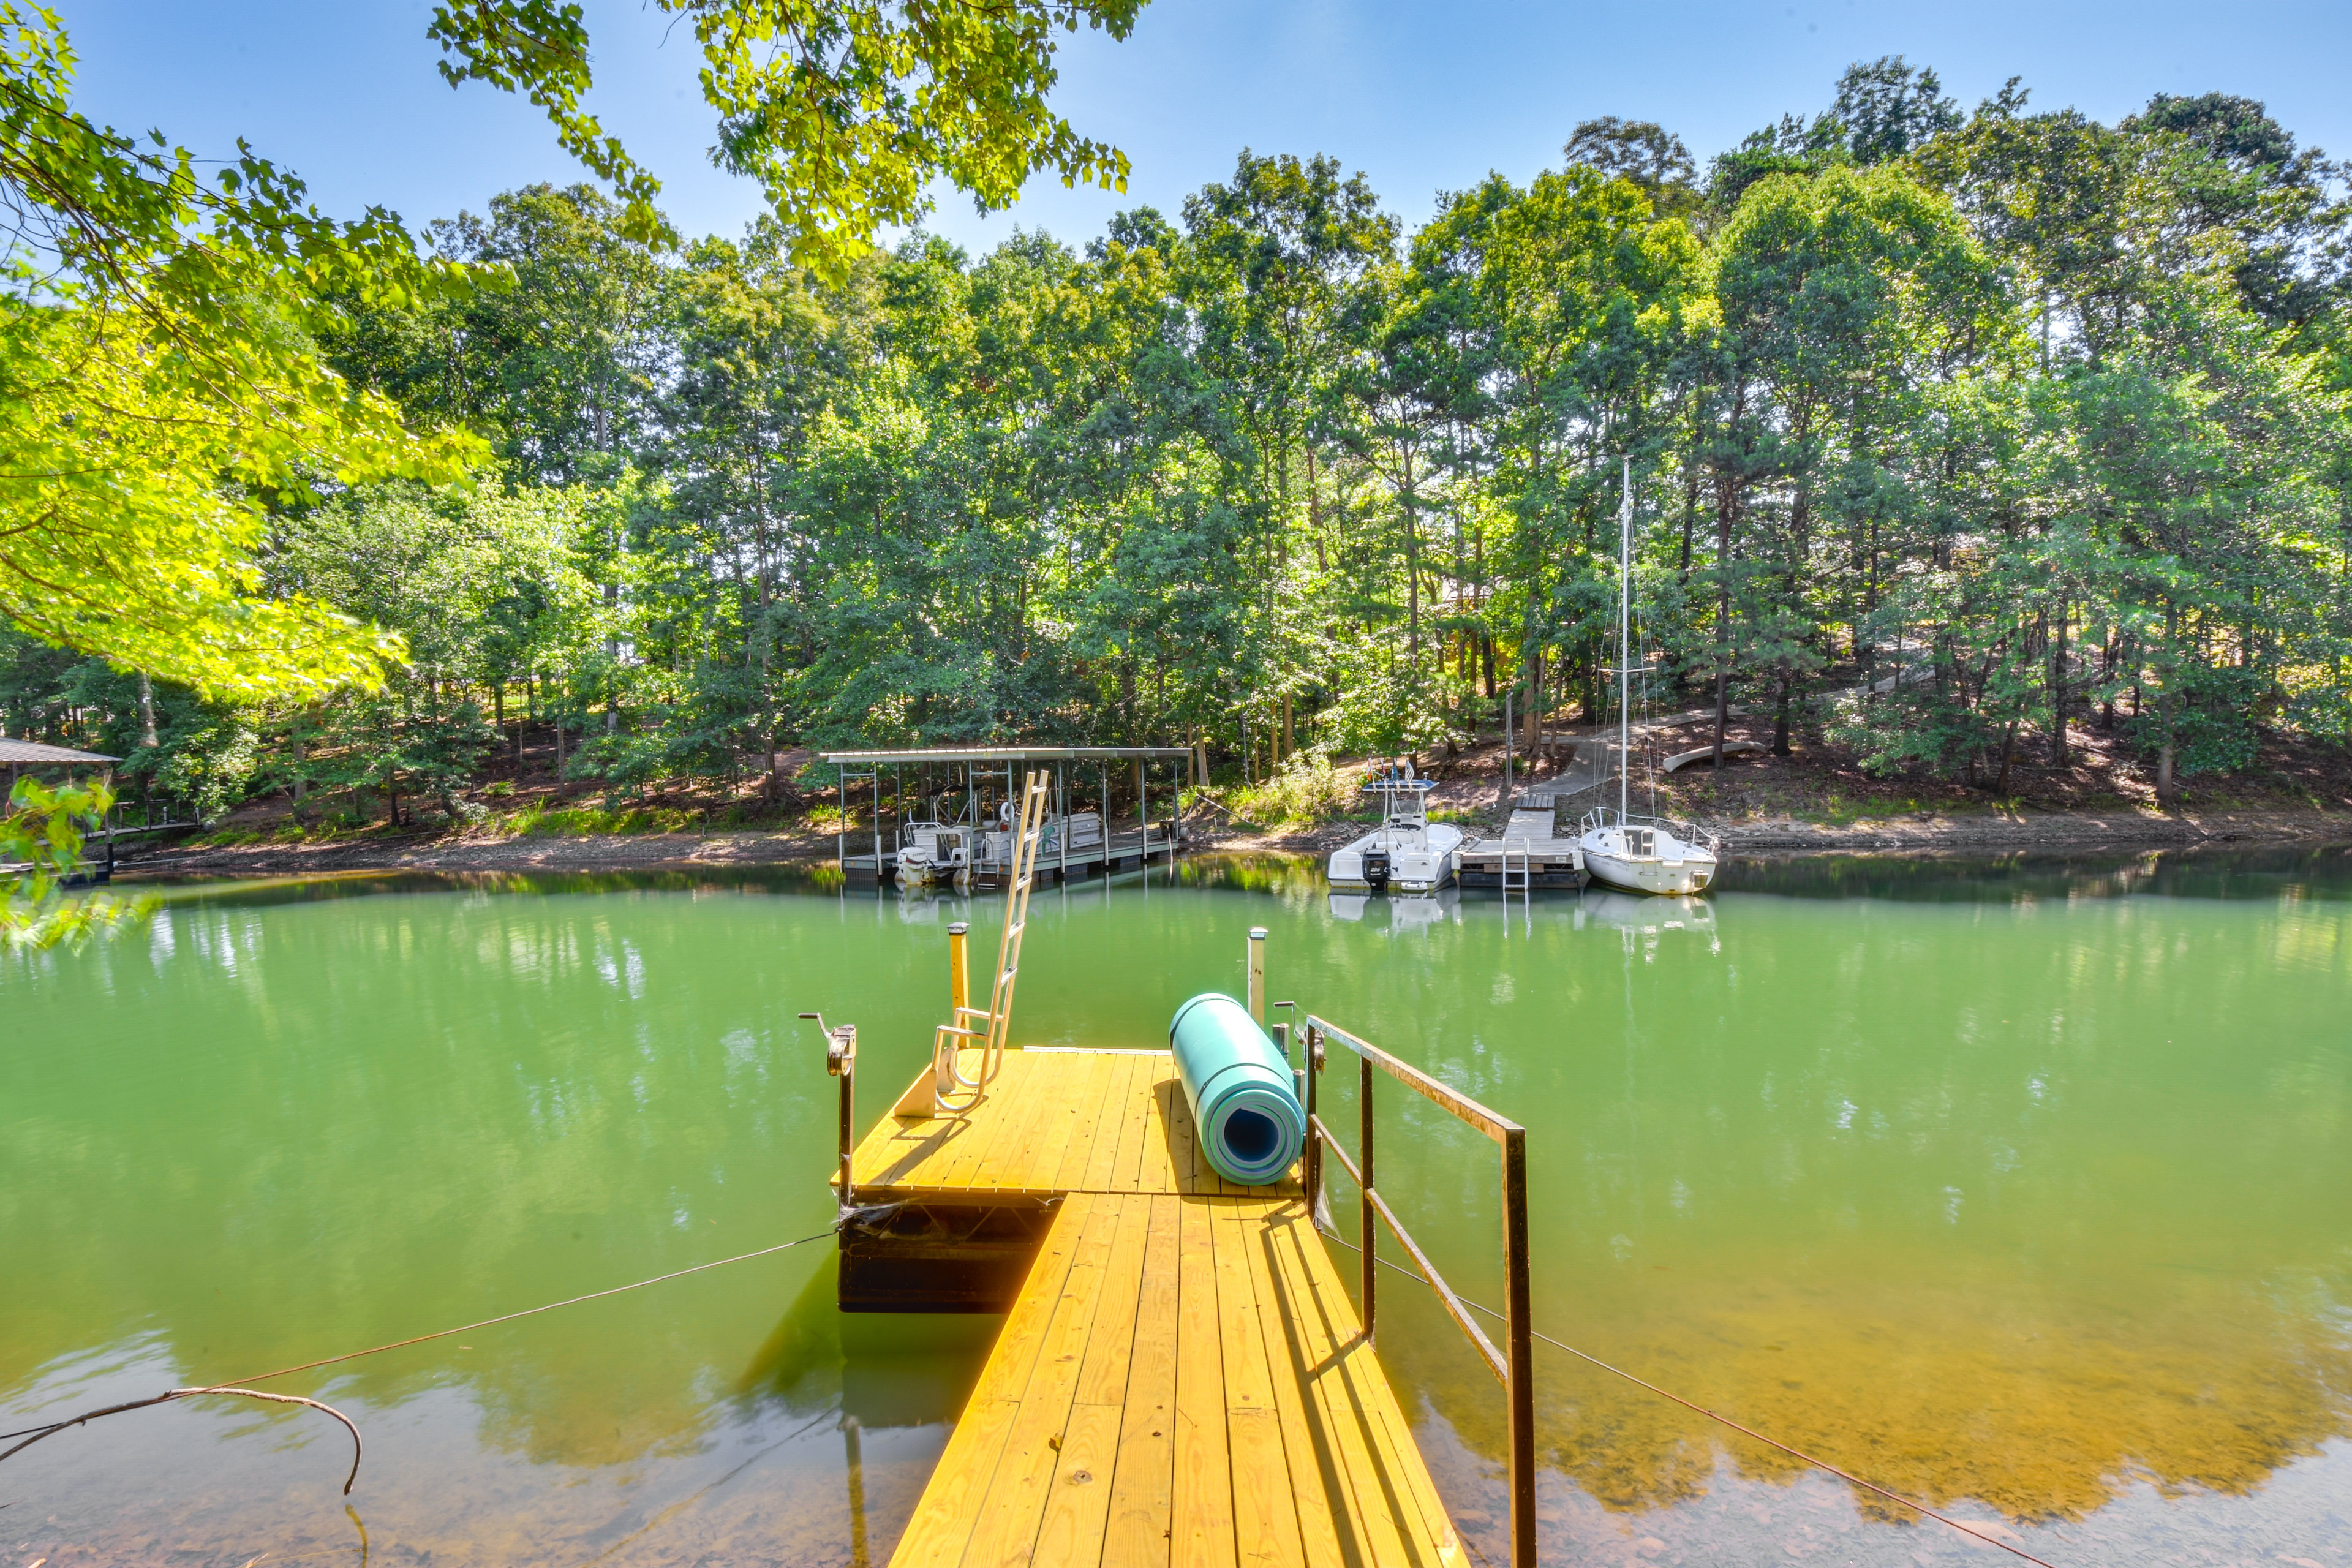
(1182, 1381)
(1054, 1122)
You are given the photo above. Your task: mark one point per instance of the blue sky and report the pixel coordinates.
(1421, 99)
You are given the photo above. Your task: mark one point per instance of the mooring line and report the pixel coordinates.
(1969, 1530)
(33, 1435)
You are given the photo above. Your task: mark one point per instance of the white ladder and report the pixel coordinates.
(1526, 886)
(985, 1030)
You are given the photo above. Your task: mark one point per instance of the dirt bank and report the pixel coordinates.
(460, 852)
(1920, 833)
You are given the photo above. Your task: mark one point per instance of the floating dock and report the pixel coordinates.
(1182, 1377)
(1528, 855)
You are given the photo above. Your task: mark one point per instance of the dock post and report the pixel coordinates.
(841, 1061)
(959, 977)
(1257, 974)
(1520, 1385)
(944, 1063)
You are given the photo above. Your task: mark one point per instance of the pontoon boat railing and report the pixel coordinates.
(1513, 1366)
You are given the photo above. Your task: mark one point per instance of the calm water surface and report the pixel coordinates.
(2026, 1188)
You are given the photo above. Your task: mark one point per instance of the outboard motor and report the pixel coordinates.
(1376, 868)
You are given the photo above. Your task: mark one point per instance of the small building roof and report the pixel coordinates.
(1006, 754)
(33, 753)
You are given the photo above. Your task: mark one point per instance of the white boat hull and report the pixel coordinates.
(1650, 874)
(1422, 863)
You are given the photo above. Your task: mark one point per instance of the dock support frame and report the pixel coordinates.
(1513, 1366)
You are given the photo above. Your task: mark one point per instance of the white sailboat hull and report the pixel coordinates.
(1650, 874)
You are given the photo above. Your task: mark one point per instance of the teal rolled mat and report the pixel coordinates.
(1246, 1113)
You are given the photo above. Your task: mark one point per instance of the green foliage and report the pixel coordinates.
(1942, 431)
(1308, 789)
(41, 837)
(160, 397)
(844, 112)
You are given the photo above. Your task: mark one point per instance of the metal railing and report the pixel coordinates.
(1513, 1366)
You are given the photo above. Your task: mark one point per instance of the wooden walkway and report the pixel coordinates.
(1183, 1379)
(1054, 1122)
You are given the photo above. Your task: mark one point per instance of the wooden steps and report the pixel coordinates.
(1182, 1379)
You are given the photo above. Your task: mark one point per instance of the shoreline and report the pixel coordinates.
(1915, 836)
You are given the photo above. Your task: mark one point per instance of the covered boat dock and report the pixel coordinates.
(899, 784)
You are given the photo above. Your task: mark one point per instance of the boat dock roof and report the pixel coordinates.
(1004, 754)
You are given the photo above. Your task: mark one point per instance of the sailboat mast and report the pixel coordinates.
(1624, 638)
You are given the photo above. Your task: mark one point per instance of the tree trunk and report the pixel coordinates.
(1781, 720)
(1412, 574)
(1722, 626)
(2007, 749)
(1532, 720)
(146, 711)
(2058, 691)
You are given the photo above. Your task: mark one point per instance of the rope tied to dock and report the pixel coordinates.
(1823, 1465)
(237, 1387)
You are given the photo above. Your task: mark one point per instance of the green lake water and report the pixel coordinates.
(2027, 1188)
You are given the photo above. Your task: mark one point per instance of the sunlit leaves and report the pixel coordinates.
(844, 111)
(160, 400)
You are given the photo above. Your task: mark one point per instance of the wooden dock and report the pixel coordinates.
(1182, 1377)
(1529, 854)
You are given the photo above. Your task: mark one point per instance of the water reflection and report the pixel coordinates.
(2024, 1186)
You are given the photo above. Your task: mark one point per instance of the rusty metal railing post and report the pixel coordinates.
(841, 1061)
(1519, 1387)
(1371, 1235)
(1514, 1366)
(1314, 1128)
(1257, 971)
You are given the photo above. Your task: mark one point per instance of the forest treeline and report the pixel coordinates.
(1945, 429)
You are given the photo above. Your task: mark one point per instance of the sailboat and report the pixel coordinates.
(1639, 854)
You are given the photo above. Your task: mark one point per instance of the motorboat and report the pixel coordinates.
(1647, 854)
(1407, 853)
(1639, 854)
